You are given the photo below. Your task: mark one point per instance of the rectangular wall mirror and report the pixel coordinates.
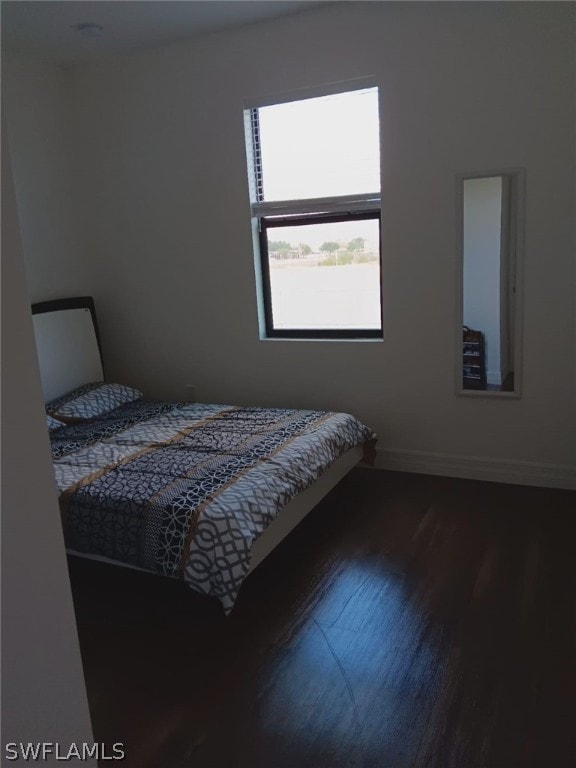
(490, 210)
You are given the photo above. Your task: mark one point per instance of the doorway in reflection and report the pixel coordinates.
(489, 212)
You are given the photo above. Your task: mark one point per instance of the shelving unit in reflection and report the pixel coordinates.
(473, 359)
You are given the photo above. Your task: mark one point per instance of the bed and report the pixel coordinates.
(197, 491)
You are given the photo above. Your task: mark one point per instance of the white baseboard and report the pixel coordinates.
(477, 468)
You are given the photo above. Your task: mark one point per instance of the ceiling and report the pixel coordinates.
(44, 30)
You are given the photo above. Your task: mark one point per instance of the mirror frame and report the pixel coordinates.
(517, 180)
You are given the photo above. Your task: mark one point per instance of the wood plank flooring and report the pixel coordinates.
(409, 622)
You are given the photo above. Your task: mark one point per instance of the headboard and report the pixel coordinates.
(68, 344)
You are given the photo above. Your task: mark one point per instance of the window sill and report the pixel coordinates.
(359, 339)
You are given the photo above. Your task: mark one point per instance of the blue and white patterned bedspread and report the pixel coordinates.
(185, 489)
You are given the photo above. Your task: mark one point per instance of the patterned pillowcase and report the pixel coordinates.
(54, 406)
(92, 400)
(53, 423)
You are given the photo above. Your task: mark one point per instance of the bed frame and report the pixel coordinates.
(68, 345)
(69, 355)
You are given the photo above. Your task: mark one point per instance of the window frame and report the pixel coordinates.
(284, 213)
(265, 223)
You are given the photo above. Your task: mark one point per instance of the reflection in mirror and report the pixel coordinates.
(490, 235)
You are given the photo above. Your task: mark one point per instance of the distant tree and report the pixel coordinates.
(357, 244)
(279, 245)
(280, 249)
(305, 250)
(329, 247)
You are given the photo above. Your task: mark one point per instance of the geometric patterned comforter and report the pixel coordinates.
(185, 489)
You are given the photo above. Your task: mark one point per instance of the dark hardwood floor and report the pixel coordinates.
(410, 621)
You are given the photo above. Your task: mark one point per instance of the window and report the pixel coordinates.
(314, 167)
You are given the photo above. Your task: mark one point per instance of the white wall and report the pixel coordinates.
(43, 692)
(35, 96)
(464, 87)
(482, 230)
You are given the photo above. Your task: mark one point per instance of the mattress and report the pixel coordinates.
(184, 490)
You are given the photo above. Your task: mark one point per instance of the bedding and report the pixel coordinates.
(185, 489)
(53, 423)
(92, 400)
